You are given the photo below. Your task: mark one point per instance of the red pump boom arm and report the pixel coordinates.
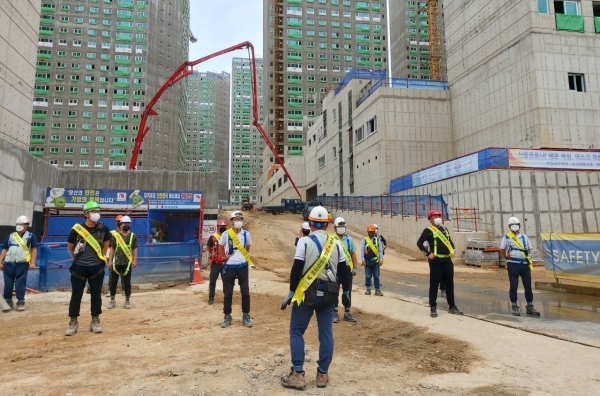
(185, 70)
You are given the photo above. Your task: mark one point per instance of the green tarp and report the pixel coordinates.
(597, 24)
(572, 23)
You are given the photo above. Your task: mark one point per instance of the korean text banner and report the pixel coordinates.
(572, 256)
(550, 159)
(123, 199)
(459, 166)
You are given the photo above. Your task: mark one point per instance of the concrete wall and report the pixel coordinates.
(272, 192)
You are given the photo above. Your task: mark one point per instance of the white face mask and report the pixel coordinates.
(437, 221)
(238, 224)
(95, 217)
(514, 228)
(20, 228)
(341, 230)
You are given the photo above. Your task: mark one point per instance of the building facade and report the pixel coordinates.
(308, 48)
(409, 40)
(246, 142)
(98, 64)
(207, 126)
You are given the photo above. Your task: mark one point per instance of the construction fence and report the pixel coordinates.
(389, 205)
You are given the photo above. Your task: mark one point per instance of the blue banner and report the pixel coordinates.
(123, 199)
(572, 256)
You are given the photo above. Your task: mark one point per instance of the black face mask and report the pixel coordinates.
(126, 228)
(305, 232)
(222, 229)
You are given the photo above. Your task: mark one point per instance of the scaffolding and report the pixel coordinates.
(435, 43)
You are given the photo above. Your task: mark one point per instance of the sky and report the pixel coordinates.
(218, 24)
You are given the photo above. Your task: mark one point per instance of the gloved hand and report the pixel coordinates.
(354, 272)
(287, 301)
(346, 299)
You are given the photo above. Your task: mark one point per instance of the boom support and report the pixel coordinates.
(185, 70)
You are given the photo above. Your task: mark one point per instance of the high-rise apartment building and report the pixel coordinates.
(246, 142)
(99, 63)
(207, 126)
(309, 46)
(409, 39)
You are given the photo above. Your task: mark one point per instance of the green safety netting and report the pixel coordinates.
(572, 23)
(597, 24)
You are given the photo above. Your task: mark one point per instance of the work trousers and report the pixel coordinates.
(78, 287)
(125, 280)
(372, 269)
(215, 270)
(229, 277)
(346, 309)
(15, 275)
(441, 272)
(301, 315)
(516, 270)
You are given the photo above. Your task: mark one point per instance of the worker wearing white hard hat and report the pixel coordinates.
(122, 259)
(304, 231)
(17, 257)
(349, 248)
(383, 241)
(516, 248)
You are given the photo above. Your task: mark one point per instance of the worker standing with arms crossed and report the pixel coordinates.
(234, 247)
(216, 260)
(371, 257)
(515, 247)
(440, 261)
(318, 270)
(349, 249)
(122, 258)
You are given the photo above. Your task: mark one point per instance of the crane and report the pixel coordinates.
(435, 44)
(185, 70)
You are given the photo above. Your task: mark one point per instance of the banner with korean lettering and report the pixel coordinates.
(123, 199)
(572, 256)
(446, 170)
(554, 159)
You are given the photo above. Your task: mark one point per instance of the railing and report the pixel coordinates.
(403, 83)
(468, 215)
(392, 205)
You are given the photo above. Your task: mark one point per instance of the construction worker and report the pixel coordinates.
(215, 259)
(442, 284)
(122, 259)
(383, 241)
(17, 257)
(515, 247)
(87, 245)
(117, 219)
(440, 261)
(304, 231)
(318, 270)
(349, 249)
(371, 257)
(329, 217)
(234, 247)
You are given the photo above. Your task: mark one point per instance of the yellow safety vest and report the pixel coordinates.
(519, 244)
(126, 248)
(22, 245)
(372, 247)
(346, 252)
(241, 248)
(437, 234)
(313, 272)
(90, 240)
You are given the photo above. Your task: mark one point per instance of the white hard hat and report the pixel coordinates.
(513, 220)
(376, 227)
(236, 213)
(338, 221)
(22, 220)
(318, 213)
(125, 219)
(305, 226)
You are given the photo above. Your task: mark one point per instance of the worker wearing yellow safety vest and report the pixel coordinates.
(349, 249)
(516, 248)
(234, 246)
(215, 259)
(439, 254)
(371, 257)
(318, 271)
(122, 258)
(87, 245)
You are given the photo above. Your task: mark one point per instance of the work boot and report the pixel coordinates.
(127, 305)
(11, 304)
(95, 326)
(336, 317)
(211, 301)
(433, 312)
(530, 311)
(294, 380)
(454, 310)
(378, 293)
(21, 305)
(226, 321)
(322, 379)
(348, 317)
(443, 293)
(516, 311)
(111, 304)
(72, 329)
(368, 292)
(246, 320)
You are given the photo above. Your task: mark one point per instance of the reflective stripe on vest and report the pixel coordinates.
(445, 238)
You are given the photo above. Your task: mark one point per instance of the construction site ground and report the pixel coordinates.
(171, 342)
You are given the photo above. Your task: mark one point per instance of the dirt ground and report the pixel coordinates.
(171, 343)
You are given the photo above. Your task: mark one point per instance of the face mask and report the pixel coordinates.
(222, 229)
(514, 228)
(126, 228)
(437, 221)
(305, 232)
(20, 228)
(95, 217)
(237, 224)
(341, 230)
